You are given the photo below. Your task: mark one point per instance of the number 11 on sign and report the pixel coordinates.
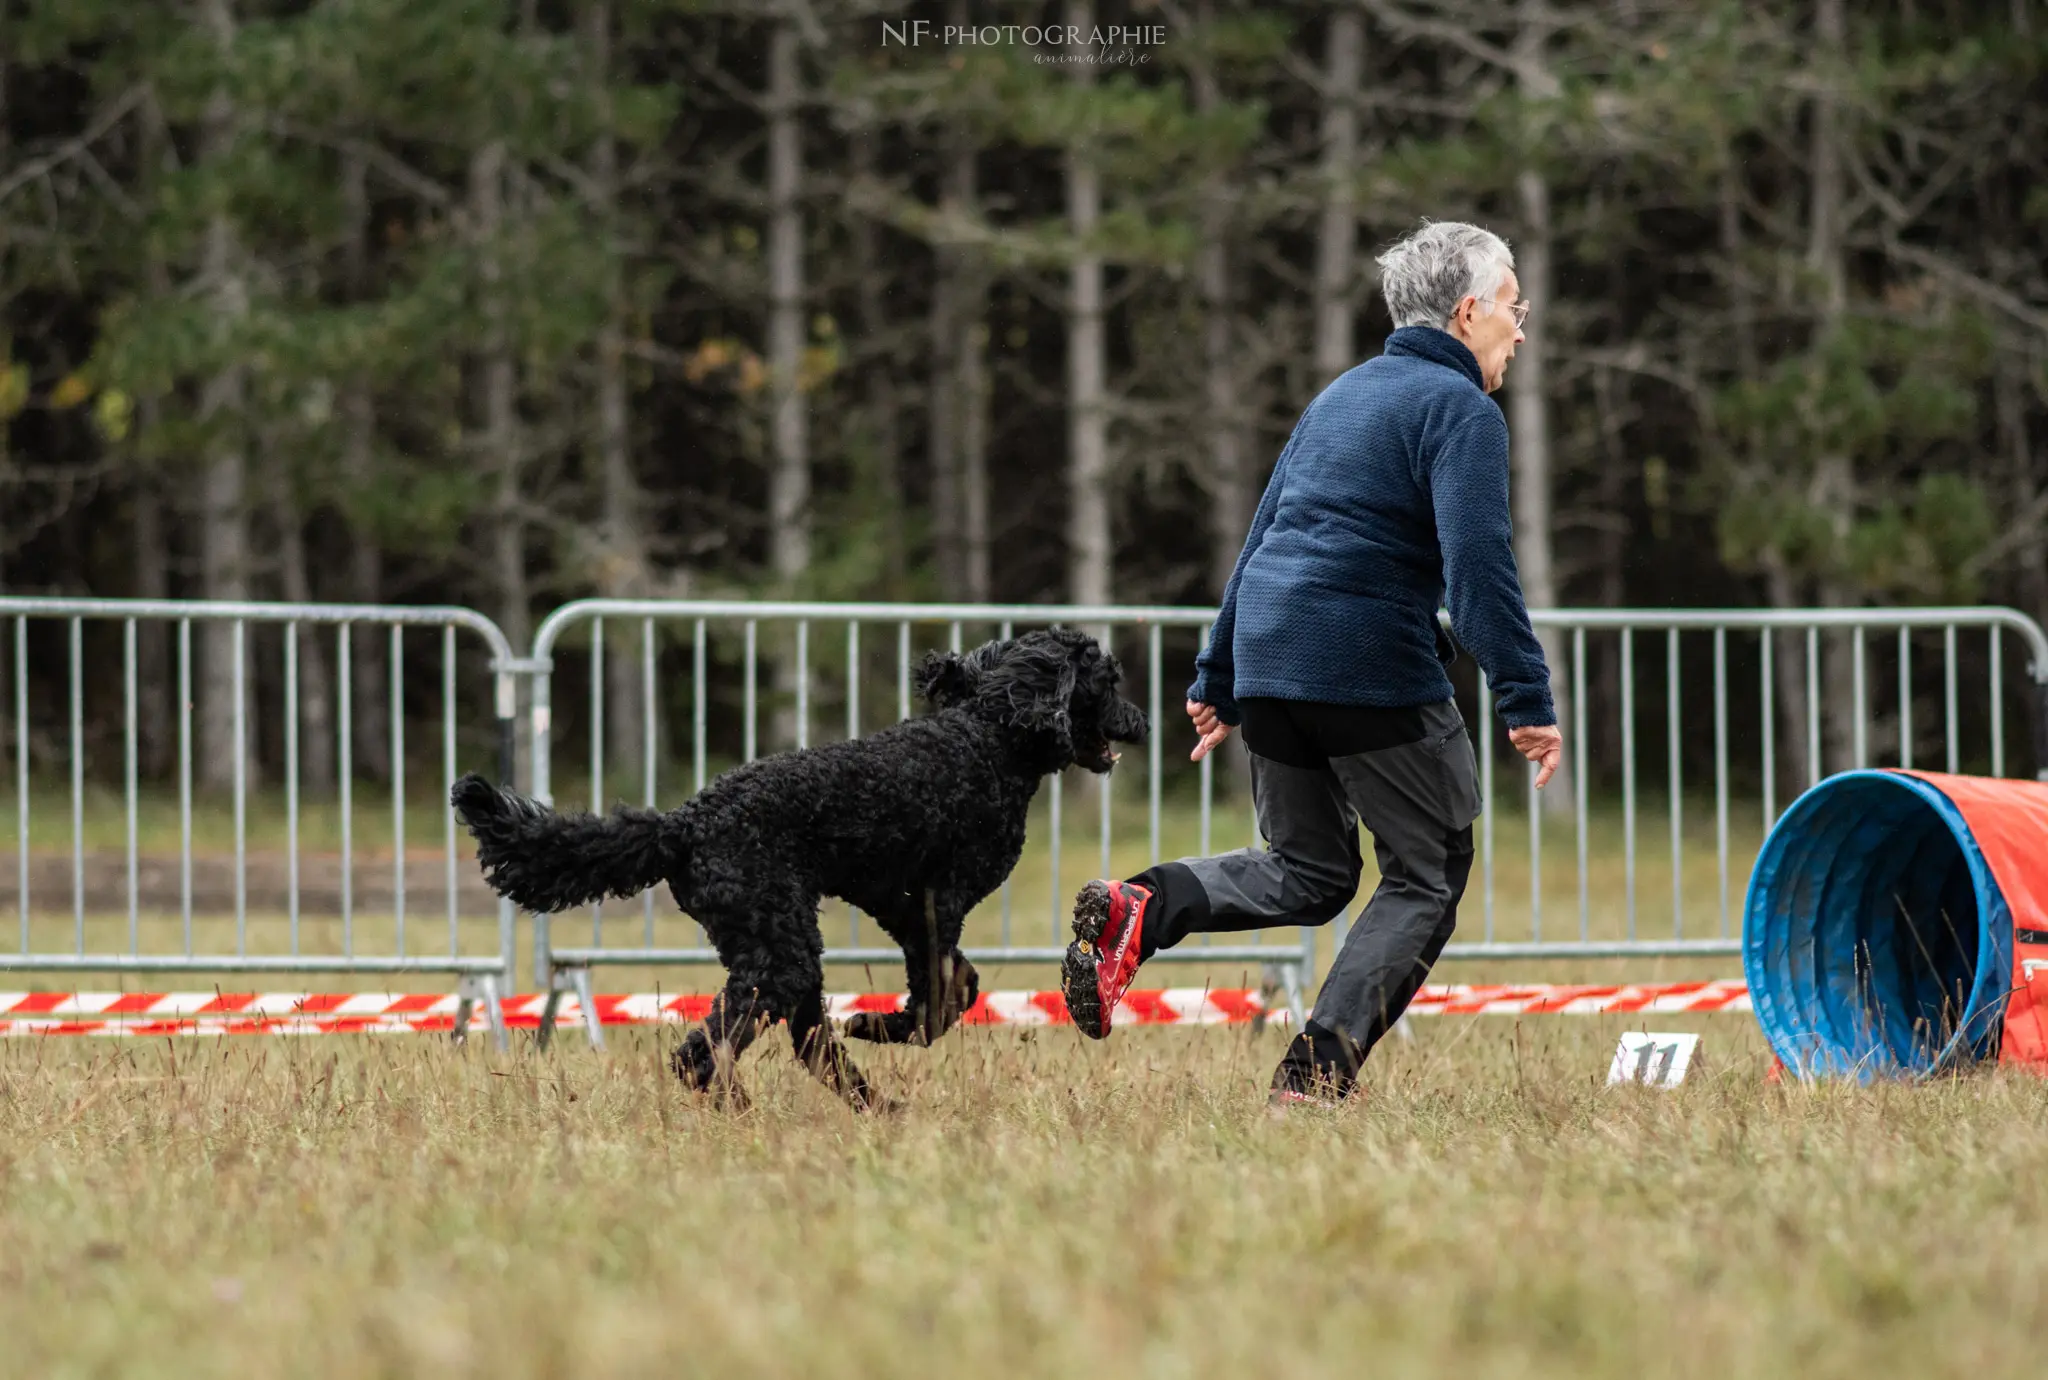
(1657, 1060)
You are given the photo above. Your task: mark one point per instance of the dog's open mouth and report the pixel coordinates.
(1100, 755)
(1103, 745)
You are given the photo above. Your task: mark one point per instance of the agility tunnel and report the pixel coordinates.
(1896, 924)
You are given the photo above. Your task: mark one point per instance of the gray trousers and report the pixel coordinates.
(1418, 799)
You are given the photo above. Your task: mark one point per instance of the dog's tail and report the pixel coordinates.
(546, 861)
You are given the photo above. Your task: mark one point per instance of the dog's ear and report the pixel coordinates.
(1033, 686)
(949, 678)
(1053, 717)
(946, 679)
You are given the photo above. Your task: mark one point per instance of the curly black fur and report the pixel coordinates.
(914, 825)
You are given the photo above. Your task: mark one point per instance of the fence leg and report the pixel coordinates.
(1280, 980)
(465, 1007)
(481, 988)
(494, 1010)
(547, 1016)
(579, 978)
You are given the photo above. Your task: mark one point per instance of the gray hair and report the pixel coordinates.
(1426, 275)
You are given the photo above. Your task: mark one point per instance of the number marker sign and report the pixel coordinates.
(1657, 1060)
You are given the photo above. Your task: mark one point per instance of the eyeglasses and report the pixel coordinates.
(1520, 309)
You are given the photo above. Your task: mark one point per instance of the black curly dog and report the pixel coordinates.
(914, 824)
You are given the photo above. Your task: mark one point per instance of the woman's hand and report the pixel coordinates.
(1544, 746)
(1212, 729)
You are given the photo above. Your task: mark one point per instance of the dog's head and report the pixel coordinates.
(1056, 690)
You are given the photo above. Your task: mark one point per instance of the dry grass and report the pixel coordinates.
(1042, 1206)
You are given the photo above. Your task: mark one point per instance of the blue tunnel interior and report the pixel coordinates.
(1875, 938)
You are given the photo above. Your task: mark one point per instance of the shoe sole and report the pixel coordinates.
(1080, 973)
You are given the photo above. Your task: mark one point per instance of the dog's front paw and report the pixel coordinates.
(883, 1028)
(702, 1072)
(726, 1095)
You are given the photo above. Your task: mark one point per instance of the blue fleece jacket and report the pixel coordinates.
(1392, 490)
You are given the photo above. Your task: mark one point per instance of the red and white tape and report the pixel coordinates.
(1658, 998)
(377, 1013)
(149, 1014)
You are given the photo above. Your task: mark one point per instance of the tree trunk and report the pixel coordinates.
(1834, 488)
(1232, 481)
(1741, 303)
(942, 432)
(498, 402)
(370, 724)
(2032, 557)
(1337, 238)
(957, 435)
(153, 672)
(789, 484)
(972, 384)
(1529, 393)
(974, 427)
(623, 570)
(153, 675)
(1232, 488)
(1529, 402)
(316, 704)
(883, 407)
(944, 411)
(1088, 526)
(224, 520)
(1825, 227)
(1610, 547)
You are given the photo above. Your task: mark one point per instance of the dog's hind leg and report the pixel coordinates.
(771, 947)
(921, 1021)
(891, 1028)
(707, 1060)
(825, 1055)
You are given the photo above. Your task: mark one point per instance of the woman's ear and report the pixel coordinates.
(946, 679)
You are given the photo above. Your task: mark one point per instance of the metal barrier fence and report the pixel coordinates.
(1713, 721)
(906, 633)
(1894, 708)
(1822, 668)
(264, 943)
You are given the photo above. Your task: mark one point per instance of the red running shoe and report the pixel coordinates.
(1109, 919)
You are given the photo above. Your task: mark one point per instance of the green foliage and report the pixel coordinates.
(1926, 545)
(1871, 403)
(419, 86)
(1850, 444)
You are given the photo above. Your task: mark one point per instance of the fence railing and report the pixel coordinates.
(1687, 732)
(834, 658)
(232, 683)
(1831, 689)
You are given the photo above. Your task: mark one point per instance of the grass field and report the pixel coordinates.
(1042, 1206)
